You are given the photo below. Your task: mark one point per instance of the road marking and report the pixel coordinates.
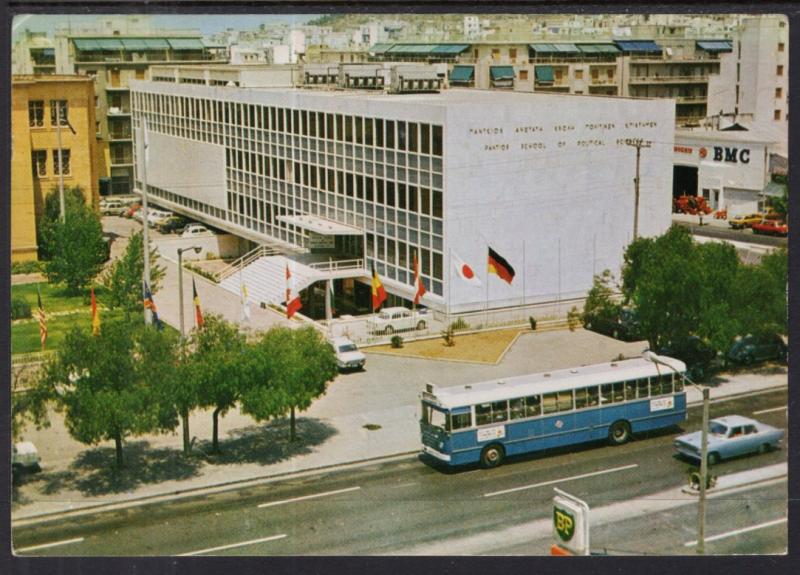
(305, 497)
(592, 474)
(403, 485)
(46, 545)
(771, 410)
(232, 545)
(739, 531)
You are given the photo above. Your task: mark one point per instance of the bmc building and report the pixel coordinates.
(34, 145)
(338, 182)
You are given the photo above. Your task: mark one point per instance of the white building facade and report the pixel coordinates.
(544, 180)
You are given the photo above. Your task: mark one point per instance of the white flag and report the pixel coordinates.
(464, 270)
(245, 303)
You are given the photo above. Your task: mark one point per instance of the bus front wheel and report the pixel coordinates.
(492, 456)
(619, 432)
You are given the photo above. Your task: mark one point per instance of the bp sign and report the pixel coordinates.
(570, 523)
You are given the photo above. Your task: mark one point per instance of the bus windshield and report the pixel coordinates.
(433, 416)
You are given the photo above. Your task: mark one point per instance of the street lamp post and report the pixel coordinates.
(701, 512)
(184, 415)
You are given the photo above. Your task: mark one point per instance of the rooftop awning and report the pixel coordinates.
(774, 190)
(134, 44)
(450, 49)
(543, 48)
(379, 48)
(109, 44)
(543, 73)
(598, 48)
(321, 226)
(186, 43)
(411, 49)
(462, 74)
(86, 44)
(715, 45)
(638, 46)
(502, 73)
(157, 43)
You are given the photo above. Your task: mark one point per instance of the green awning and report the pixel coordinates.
(411, 49)
(134, 44)
(109, 44)
(543, 73)
(86, 44)
(462, 74)
(715, 45)
(379, 48)
(451, 49)
(598, 48)
(501, 73)
(543, 48)
(186, 43)
(157, 43)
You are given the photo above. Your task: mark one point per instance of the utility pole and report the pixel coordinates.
(60, 162)
(148, 314)
(637, 143)
(701, 514)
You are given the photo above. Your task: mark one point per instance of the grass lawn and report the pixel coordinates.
(485, 347)
(25, 335)
(55, 298)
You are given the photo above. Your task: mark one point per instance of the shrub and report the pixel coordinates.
(459, 324)
(29, 267)
(574, 318)
(211, 256)
(397, 341)
(533, 322)
(20, 309)
(449, 338)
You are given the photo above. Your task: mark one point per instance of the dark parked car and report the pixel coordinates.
(694, 352)
(625, 326)
(172, 224)
(752, 348)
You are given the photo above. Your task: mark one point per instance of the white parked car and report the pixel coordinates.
(24, 457)
(348, 355)
(155, 216)
(111, 207)
(194, 230)
(392, 319)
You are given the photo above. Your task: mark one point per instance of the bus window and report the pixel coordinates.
(630, 390)
(483, 414)
(550, 402)
(643, 390)
(533, 406)
(593, 396)
(580, 398)
(517, 408)
(460, 421)
(565, 400)
(433, 416)
(500, 410)
(605, 394)
(619, 392)
(666, 383)
(678, 384)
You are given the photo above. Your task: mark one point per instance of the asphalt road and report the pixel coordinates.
(746, 236)
(410, 507)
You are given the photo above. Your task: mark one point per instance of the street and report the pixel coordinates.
(411, 507)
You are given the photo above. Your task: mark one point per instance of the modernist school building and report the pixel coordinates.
(371, 178)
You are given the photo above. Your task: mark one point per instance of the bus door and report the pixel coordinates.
(558, 421)
(459, 420)
(587, 414)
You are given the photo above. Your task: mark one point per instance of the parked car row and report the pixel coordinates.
(163, 220)
(770, 223)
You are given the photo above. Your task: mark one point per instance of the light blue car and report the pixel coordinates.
(731, 436)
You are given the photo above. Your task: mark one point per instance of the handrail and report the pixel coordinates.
(248, 258)
(335, 265)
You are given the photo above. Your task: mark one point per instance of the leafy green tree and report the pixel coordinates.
(77, 249)
(218, 370)
(602, 308)
(123, 278)
(103, 384)
(718, 317)
(51, 214)
(298, 364)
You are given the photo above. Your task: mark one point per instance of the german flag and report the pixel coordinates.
(499, 266)
(378, 293)
(198, 313)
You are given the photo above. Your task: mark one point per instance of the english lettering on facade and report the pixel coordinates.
(732, 155)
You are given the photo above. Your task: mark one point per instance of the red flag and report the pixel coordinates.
(418, 282)
(292, 305)
(95, 316)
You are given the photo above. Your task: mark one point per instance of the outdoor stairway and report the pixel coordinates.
(265, 278)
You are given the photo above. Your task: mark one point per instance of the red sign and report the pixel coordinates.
(683, 149)
(703, 152)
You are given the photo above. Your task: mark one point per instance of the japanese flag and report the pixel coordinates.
(464, 270)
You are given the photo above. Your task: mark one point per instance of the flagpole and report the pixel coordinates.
(524, 273)
(449, 283)
(486, 307)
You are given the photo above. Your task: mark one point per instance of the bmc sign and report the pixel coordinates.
(733, 155)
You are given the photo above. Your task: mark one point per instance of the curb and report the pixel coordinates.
(727, 397)
(187, 493)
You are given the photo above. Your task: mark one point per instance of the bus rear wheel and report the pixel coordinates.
(619, 432)
(492, 456)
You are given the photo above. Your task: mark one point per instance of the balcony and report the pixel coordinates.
(121, 160)
(112, 88)
(691, 99)
(656, 79)
(119, 135)
(603, 81)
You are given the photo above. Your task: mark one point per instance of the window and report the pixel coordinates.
(486, 413)
(512, 53)
(778, 93)
(630, 390)
(437, 141)
(661, 385)
(459, 421)
(59, 106)
(779, 70)
(678, 381)
(65, 161)
(777, 115)
(559, 74)
(140, 74)
(523, 74)
(642, 387)
(579, 74)
(619, 392)
(525, 407)
(560, 401)
(606, 393)
(39, 163)
(495, 53)
(781, 46)
(36, 113)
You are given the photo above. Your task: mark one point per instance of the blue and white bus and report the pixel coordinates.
(489, 421)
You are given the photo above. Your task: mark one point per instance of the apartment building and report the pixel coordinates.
(35, 135)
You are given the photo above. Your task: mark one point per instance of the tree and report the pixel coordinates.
(297, 366)
(601, 311)
(51, 214)
(123, 279)
(218, 370)
(103, 384)
(77, 249)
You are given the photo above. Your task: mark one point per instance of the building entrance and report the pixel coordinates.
(684, 181)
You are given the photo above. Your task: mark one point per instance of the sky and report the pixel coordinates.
(206, 23)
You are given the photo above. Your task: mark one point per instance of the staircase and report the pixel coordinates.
(265, 278)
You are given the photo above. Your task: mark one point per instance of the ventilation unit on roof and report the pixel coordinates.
(414, 79)
(362, 77)
(322, 75)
